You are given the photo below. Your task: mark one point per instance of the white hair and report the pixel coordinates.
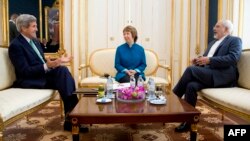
(228, 24)
(24, 20)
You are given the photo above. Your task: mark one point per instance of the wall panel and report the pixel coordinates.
(170, 28)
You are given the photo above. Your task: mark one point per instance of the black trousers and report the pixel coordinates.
(193, 79)
(126, 78)
(61, 79)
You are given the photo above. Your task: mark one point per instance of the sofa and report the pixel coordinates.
(235, 99)
(16, 103)
(101, 62)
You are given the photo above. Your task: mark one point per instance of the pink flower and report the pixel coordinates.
(131, 93)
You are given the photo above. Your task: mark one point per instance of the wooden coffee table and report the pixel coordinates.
(87, 111)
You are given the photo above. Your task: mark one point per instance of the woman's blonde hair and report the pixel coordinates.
(132, 30)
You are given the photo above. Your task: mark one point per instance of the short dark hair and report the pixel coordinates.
(132, 30)
(13, 16)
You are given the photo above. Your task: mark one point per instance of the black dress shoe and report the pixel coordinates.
(68, 127)
(183, 127)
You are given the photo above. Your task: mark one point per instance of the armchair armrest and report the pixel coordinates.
(167, 72)
(165, 67)
(80, 71)
(82, 66)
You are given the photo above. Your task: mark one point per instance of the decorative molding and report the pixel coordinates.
(206, 23)
(230, 10)
(5, 26)
(41, 19)
(189, 32)
(61, 27)
(46, 25)
(72, 37)
(198, 48)
(172, 38)
(241, 18)
(181, 39)
(86, 35)
(220, 8)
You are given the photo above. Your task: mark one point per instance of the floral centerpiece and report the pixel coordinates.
(131, 94)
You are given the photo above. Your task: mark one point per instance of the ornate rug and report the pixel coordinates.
(46, 125)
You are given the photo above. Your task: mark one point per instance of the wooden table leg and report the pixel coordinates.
(194, 129)
(75, 129)
(193, 132)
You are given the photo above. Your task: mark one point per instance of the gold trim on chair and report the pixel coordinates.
(224, 108)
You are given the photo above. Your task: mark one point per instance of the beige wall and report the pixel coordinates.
(238, 12)
(179, 36)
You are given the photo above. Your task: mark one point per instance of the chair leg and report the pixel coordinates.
(62, 108)
(1, 135)
(222, 115)
(1, 130)
(27, 118)
(168, 88)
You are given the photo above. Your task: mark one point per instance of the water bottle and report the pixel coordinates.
(132, 81)
(151, 89)
(140, 81)
(109, 87)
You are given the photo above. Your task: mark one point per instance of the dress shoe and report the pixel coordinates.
(68, 127)
(183, 127)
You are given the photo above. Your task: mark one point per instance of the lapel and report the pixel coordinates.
(209, 47)
(38, 47)
(221, 44)
(29, 48)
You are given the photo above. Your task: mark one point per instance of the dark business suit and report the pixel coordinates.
(30, 72)
(13, 33)
(220, 72)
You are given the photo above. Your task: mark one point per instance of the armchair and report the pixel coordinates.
(101, 62)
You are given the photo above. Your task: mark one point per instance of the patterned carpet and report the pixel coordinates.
(46, 125)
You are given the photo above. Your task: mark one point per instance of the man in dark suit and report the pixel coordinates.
(34, 71)
(12, 27)
(216, 68)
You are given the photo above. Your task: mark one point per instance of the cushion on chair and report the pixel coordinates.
(235, 98)
(244, 67)
(152, 62)
(102, 61)
(94, 81)
(16, 100)
(6, 70)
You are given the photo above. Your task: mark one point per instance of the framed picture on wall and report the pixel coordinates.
(52, 29)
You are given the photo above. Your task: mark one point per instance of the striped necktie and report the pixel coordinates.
(36, 50)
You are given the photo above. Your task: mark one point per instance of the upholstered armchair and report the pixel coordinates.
(101, 62)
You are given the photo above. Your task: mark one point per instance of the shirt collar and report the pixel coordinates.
(12, 21)
(221, 39)
(130, 46)
(26, 38)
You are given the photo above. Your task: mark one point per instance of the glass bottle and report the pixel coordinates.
(140, 81)
(109, 87)
(132, 81)
(151, 89)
